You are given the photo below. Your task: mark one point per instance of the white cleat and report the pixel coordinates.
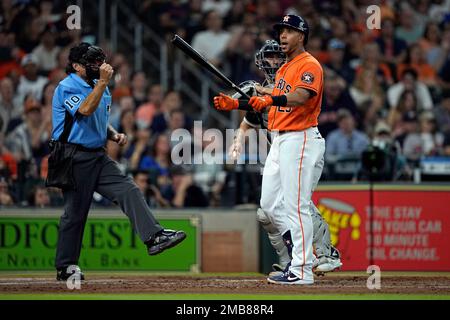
(326, 264)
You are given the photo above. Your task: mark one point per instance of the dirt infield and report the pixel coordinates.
(130, 284)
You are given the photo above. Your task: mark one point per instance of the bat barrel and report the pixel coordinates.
(197, 57)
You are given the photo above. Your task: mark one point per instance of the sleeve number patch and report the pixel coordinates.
(72, 101)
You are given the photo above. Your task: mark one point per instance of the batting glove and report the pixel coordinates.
(225, 103)
(259, 103)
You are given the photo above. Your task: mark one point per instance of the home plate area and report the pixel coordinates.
(336, 283)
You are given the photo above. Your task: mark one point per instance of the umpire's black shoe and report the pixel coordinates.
(64, 273)
(163, 240)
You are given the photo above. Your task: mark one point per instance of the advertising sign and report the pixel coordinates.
(108, 244)
(411, 228)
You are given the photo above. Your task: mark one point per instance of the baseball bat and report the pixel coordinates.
(197, 57)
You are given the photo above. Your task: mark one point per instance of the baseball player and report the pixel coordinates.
(295, 161)
(268, 59)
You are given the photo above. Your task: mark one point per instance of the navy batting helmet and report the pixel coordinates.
(295, 22)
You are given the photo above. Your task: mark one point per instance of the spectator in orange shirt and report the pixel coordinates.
(315, 49)
(371, 60)
(8, 164)
(145, 112)
(415, 59)
(10, 54)
(122, 81)
(392, 48)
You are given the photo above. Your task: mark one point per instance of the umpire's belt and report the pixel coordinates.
(79, 147)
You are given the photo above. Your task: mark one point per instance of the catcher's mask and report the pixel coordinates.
(91, 57)
(269, 59)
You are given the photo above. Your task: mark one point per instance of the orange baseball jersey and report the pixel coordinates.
(304, 71)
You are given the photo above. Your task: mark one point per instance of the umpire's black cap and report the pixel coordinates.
(295, 22)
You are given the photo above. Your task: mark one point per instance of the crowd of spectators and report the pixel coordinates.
(389, 87)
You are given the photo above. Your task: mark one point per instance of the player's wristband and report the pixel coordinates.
(243, 105)
(279, 100)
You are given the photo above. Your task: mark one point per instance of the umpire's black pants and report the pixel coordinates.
(95, 171)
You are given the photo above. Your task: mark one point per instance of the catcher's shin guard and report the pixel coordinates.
(321, 233)
(326, 264)
(275, 237)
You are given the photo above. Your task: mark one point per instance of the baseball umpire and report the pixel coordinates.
(79, 165)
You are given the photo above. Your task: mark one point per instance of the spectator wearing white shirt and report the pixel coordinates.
(47, 51)
(427, 142)
(8, 108)
(442, 113)
(222, 7)
(438, 10)
(409, 82)
(30, 82)
(29, 139)
(212, 42)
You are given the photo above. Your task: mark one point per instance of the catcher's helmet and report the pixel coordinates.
(295, 22)
(269, 59)
(249, 87)
(87, 55)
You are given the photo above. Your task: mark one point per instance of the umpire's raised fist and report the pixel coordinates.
(106, 72)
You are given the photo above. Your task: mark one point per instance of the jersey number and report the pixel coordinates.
(74, 99)
(284, 109)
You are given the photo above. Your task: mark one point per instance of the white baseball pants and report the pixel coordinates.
(291, 172)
